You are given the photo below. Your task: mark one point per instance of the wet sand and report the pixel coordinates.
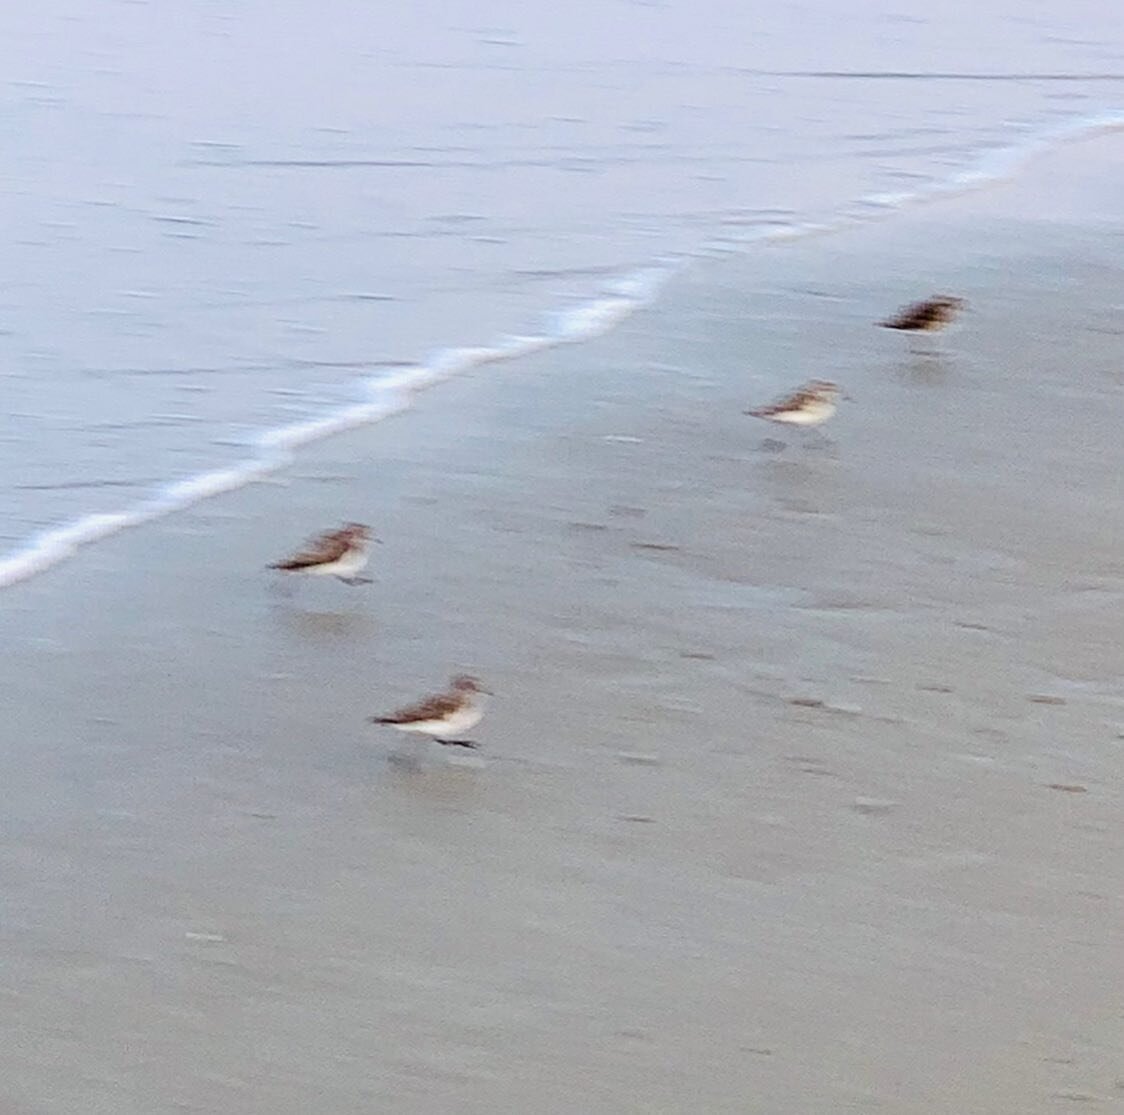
(801, 792)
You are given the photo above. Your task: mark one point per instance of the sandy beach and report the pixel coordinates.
(801, 790)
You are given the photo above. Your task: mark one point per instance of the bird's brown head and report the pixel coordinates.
(950, 302)
(357, 532)
(823, 389)
(466, 683)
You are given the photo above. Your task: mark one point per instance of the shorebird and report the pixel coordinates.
(812, 405)
(338, 553)
(444, 715)
(930, 316)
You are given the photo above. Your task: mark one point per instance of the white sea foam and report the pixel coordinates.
(991, 168)
(393, 392)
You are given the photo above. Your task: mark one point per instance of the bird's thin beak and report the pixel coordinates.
(378, 540)
(848, 399)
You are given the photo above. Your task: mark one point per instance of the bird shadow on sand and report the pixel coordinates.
(417, 757)
(810, 446)
(444, 780)
(424, 759)
(926, 367)
(320, 626)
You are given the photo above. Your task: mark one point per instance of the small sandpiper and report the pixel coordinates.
(338, 553)
(930, 316)
(812, 405)
(443, 716)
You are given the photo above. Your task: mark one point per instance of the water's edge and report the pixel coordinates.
(392, 393)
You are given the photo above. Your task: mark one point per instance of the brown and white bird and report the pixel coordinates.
(443, 716)
(811, 405)
(338, 553)
(929, 316)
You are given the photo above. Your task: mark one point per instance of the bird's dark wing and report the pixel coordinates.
(430, 708)
(327, 547)
(917, 316)
(796, 401)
